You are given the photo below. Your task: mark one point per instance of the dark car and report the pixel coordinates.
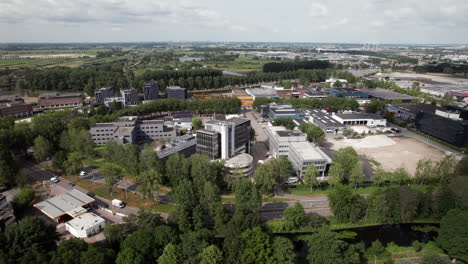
(90, 194)
(71, 184)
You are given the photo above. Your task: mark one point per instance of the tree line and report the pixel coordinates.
(295, 65)
(444, 67)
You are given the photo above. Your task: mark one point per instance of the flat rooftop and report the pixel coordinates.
(127, 118)
(308, 152)
(387, 95)
(359, 116)
(175, 88)
(70, 202)
(324, 118)
(239, 161)
(85, 221)
(415, 108)
(124, 130)
(289, 133)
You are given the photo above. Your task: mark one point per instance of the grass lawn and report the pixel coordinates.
(132, 200)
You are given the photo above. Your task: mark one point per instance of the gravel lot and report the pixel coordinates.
(391, 153)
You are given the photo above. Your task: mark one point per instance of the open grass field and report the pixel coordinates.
(243, 64)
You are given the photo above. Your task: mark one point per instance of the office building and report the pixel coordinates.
(109, 101)
(57, 100)
(363, 119)
(265, 109)
(130, 97)
(176, 92)
(305, 154)
(185, 145)
(102, 93)
(209, 143)
(348, 93)
(234, 138)
(131, 130)
(279, 139)
(151, 90)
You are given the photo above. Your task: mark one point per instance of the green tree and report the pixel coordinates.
(453, 234)
(430, 257)
(69, 251)
(177, 169)
(42, 148)
(424, 171)
(400, 176)
(310, 176)
(377, 250)
(357, 175)
(22, 200)
(347, 158)
(197, 122)
(265, 178)
(257, 247)
(96, 254)
(283, 251)
(326, 248)
(380, 176)
(112, 174)
(287, 122)
(73, 163)
(335, 174)
(295, 217)
(314, 133)
(211, 255)
(59, 159)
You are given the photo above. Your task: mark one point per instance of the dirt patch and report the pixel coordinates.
(405, 152)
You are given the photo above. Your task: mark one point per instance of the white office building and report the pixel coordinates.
(304, 154)
(85, 225)
(366, 119)
(280, 138)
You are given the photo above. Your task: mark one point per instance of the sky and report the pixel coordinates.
(326, 21)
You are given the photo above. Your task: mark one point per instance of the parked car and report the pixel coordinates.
(292, 180)
(90, 194)
(71, 184)
(394, 129)
(82, 173)
(54, 179)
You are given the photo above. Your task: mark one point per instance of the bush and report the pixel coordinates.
(417, 245)
(377, 249)
(22, 200)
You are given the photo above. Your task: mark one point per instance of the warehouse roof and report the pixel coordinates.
(70, 202)
(359, 116)
(387, 95)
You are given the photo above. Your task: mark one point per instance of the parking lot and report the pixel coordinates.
(390, 152)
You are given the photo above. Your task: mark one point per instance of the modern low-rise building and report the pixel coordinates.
(386, 95)
(409, 111)
(185, 145)
(85, 225)
(324, 120)
(176, 92)
(69, 204)
(285, 113)
(304, 154)
(365, 119)
(265, 109)
(151, 90)
(57, 100)
(102, 93)
(131, 130)
(279, 139)
(348, 93)
(242, 163)
(332, 81)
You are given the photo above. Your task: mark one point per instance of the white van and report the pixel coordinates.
(118, 203)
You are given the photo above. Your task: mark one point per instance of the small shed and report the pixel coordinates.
(85, 225)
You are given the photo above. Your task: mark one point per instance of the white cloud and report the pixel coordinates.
(318, 10)
(343, 21)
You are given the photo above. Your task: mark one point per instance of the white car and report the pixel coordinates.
(82, 173)
(54, 179)
(292, 180)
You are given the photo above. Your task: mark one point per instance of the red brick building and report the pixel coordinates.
(16, 110)
(56, 100)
